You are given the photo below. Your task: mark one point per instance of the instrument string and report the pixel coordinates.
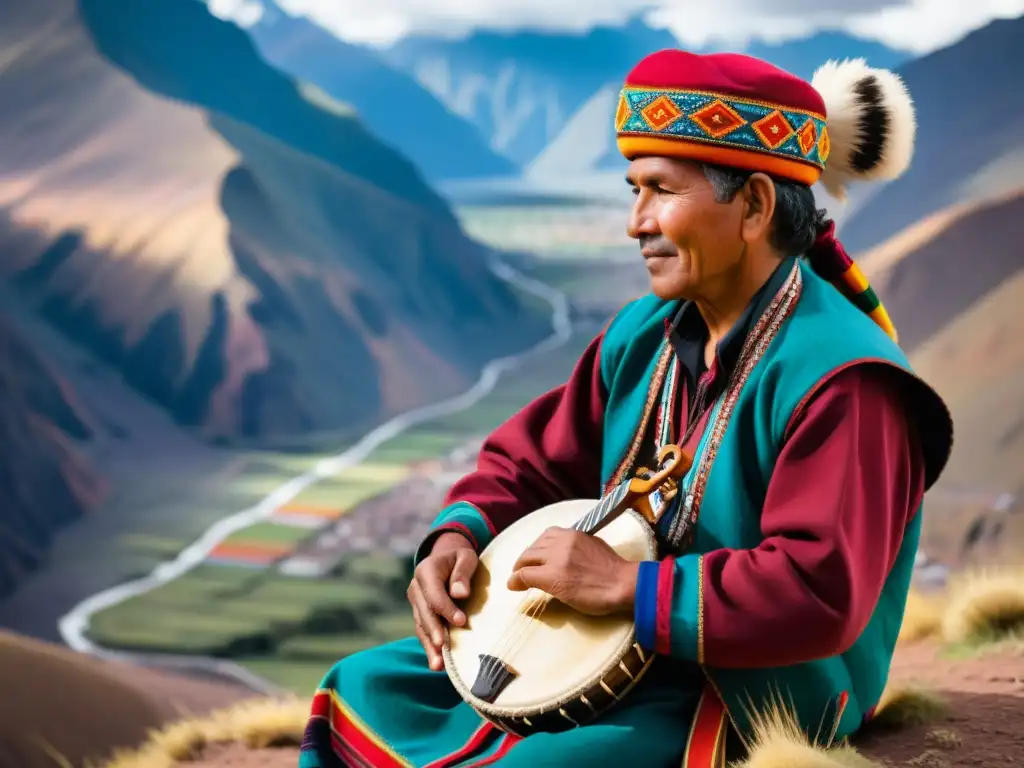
(517, 633)
(531, 607)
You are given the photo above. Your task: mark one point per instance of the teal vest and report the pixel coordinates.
(823, 333)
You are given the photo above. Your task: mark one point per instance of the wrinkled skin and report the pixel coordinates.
(582, 571)
(694, 246)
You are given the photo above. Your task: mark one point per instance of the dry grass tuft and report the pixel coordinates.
(922, 618)
(257, 724)
(780, 743)
(930, 758)
(985, 607)
(944, 738)
(903, 706)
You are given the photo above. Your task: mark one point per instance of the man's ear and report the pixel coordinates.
(758, 207)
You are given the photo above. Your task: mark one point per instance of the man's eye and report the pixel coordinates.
(655, 188)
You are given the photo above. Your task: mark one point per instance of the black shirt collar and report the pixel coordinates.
(688, 333)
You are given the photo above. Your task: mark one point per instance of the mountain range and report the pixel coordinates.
(520, 89)
(197, 246)
(541, 102)
(249, 250)
(535, 92)
(546, 101)
(954, 285)
(393, 106)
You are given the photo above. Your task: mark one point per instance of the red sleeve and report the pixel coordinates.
(547, 452)
(848, 480)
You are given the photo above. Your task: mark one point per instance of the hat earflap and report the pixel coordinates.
(871, 124)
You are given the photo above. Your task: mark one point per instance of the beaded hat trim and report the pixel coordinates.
(791, 142)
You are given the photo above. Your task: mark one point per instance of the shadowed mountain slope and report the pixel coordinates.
(954, 285)
(45, 484)
(244, 254)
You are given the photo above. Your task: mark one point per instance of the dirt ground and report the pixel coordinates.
(236, 756)
(984, 727)
(56, 702)
(985, 721)
(90, 706)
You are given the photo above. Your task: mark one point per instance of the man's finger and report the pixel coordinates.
(462, 572)
(531, 576)
(534, 555)
(428, 616)
(415, 596)
(421, 635)
(421, 632)
(417, 617)
(434, 659)
(435, 593)
(550, 537)
(416, 601)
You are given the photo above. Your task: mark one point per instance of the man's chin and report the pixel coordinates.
(668, 288)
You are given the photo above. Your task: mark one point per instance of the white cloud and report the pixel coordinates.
(917, 25)
(914, 25)
(925, 25)
(381, 21)
(244, 13)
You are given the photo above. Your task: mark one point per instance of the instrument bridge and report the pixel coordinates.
(493, 678)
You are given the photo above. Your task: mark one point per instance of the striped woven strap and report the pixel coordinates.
(830, 260)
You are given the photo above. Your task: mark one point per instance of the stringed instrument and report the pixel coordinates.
(526, 661)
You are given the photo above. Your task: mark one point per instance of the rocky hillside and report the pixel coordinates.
(234, 243)
(45, 484)
(954, 284)
(101, 706)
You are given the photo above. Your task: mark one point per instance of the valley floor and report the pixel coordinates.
(324, 574)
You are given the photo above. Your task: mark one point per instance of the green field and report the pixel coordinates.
(552, 231)
(288, 629)
(161, 507)
(269, 533)
(231, 612)
(341, 492)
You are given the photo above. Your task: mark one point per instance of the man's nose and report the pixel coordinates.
(641, 221)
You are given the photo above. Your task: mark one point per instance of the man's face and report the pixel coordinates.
(686, 238)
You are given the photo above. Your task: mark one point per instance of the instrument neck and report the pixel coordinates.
(613, 504)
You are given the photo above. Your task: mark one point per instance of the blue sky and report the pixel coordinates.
(916, 25)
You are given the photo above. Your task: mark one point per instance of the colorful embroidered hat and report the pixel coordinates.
(851, 122)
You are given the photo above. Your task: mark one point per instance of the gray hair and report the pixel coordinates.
(797, 220)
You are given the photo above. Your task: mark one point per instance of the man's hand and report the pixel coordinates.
(582, 571)
(442, 575)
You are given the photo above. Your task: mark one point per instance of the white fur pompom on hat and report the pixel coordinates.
(871, 124)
